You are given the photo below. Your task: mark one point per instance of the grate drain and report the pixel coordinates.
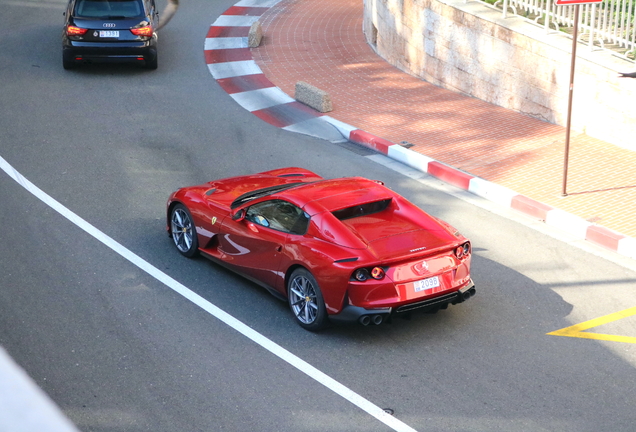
(357, 148)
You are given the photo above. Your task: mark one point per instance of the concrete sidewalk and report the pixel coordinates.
(322, 44)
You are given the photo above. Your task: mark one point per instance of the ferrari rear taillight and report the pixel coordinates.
(142, 31)
(377, 272)
(363, 274)
(75, 31)
(462, 250)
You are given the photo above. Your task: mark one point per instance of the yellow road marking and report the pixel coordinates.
(578, 330)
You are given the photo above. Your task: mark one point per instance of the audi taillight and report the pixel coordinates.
(142, 31)
(75, 31)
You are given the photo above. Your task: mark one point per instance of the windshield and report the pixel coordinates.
(110, 9)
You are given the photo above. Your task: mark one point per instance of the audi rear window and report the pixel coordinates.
(361, 209)
(108, 9)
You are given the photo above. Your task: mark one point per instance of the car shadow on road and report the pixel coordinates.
(486, 364)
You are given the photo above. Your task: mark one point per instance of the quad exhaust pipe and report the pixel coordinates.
(365, 320)
(463, 296)
(432, 307)
(468, 294)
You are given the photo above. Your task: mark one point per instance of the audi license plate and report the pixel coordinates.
(109, 33)
(425, 284)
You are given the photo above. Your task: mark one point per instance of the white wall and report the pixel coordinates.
(471, 49)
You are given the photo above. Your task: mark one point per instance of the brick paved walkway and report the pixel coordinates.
(321, 42)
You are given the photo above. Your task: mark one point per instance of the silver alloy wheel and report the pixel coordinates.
(181, 227)
(303, 300)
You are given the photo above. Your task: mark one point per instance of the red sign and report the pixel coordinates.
(574, 2)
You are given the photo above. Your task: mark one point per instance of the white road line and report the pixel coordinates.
(218, 313)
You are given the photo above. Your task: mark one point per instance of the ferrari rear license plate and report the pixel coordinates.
(109, 33)
(425, 284)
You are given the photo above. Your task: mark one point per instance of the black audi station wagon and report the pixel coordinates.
(110, 31)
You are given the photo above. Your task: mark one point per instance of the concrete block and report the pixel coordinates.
(255, 35)
(313, 97)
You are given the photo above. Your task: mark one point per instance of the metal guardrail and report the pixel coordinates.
(609, 25)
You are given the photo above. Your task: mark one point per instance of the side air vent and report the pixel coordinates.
(346, 260)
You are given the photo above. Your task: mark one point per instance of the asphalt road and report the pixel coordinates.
(118, 350)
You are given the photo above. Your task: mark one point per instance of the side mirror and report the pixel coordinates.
(239, 215)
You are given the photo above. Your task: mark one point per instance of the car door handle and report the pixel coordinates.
(279, 248)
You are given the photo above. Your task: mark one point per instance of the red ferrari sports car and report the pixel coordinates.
(341, 250)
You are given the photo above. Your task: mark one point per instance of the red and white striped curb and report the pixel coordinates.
(567, 222)
(230, 62)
